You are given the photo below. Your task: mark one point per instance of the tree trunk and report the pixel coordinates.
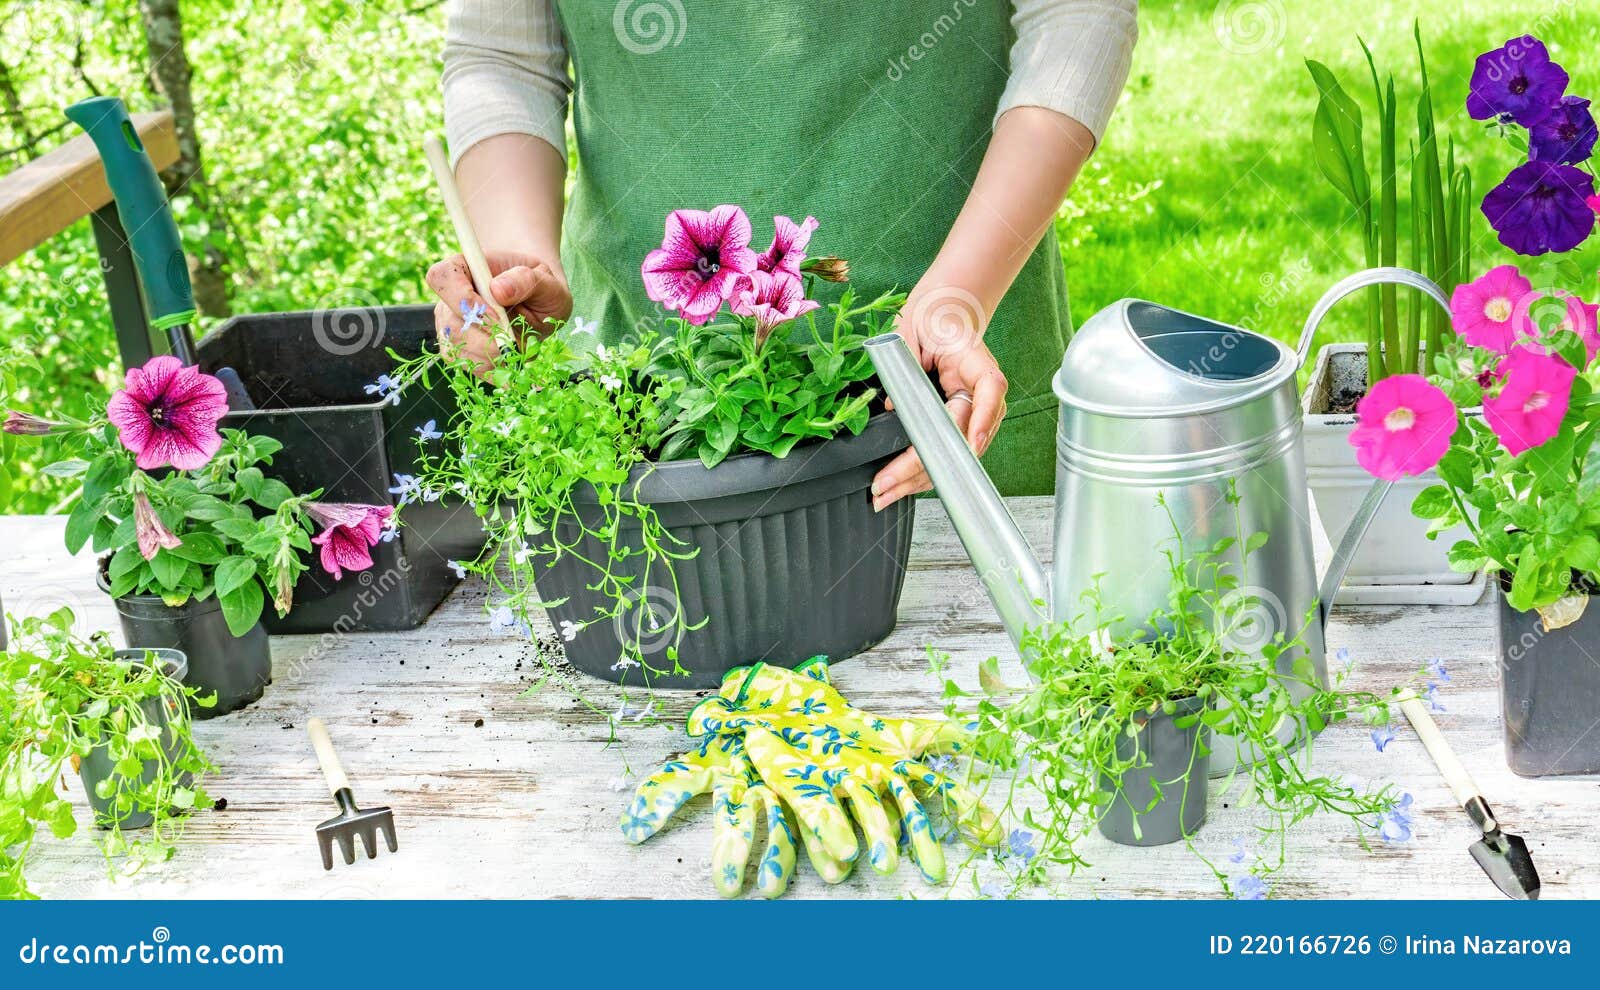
(169, 70)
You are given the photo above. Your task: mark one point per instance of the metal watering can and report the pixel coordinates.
(1154, 402)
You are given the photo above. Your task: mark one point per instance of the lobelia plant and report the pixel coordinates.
(184, 509)
(566, 413)
(1061, 744)
(1438, 214)
(64, 697)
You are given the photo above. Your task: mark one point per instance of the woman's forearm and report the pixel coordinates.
(1032, 160)
(513, 186)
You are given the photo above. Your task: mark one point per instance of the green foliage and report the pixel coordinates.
(1535, 517)
(63, 697)
(729, 391)
(1440, 248)
(241, 534)
(1093, 687)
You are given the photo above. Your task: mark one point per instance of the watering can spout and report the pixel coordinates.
(1010, 571)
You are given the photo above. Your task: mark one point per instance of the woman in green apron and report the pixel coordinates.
(933, 141)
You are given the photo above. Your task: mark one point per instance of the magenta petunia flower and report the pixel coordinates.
(152, 534)
(349, 532)
(1405, 427)
(1580, 319)
(1532, 402)
(167, 415)
(1483, 312)
(700, 261)
(773, 299)
(1541, 207)
(788, 250)
(1516, 80)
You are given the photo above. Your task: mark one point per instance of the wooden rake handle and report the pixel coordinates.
(332, 769)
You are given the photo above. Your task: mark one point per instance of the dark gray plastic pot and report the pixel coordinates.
(793, 563)
(1550, 692)
(95, 767)
(1179, 760)
(237, 669)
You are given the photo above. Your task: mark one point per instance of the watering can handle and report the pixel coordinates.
(1362, 520)
(1364, 280)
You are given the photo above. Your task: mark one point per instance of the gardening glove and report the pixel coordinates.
(718, 767)
(833, 764)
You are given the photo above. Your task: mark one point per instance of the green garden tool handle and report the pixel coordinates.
(142, 206)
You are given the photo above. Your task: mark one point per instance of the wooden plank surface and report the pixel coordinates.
(526, 804)
(59, 188)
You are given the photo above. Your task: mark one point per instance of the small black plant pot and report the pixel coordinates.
(792, 563)
(307, 373)
(1179, 771)
(237, 669)
(1550, 691)
(96, 766)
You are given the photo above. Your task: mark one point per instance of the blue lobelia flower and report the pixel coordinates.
(384, 388)
(1250, 888)
(1517, 80)
(1382, 736)
(993, 889)
(1019, 845)
(407, 488)
(1437, 670)
(429, 430)
(1395, 823)
(1565, 134)
(940, 763)
(472, 314)
(1431, 695)
(1541, 207)
(1240, 853)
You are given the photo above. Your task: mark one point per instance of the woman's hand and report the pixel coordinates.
(943, 325)
(523, 285)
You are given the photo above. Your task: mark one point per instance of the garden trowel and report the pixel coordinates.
(152, 233)
(1502, 855)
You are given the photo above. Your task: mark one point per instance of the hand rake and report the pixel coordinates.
(351, 821)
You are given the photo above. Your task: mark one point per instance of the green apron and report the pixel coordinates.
(872, 117)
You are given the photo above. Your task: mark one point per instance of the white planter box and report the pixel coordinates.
(1396, 563)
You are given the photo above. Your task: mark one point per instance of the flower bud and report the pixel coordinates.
(827, 268)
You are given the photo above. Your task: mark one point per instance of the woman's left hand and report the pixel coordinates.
(943, 325)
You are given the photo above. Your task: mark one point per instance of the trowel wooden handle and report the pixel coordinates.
(466, 237)
(1444, 757)
(332, 769)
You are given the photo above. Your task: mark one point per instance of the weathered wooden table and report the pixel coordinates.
(503, 792)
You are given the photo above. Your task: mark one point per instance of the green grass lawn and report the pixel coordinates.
(1243, 228)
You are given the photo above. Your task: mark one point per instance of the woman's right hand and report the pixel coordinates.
(524, 285)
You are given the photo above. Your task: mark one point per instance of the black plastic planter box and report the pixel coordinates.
(1550, 692)
(792, 563)
(307, 373)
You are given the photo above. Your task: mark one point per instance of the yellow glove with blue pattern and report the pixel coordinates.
(836, 767)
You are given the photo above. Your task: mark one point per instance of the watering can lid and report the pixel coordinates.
(1138, 359)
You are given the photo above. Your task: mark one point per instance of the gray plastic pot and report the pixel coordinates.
(1180, 762)
(792, 563)
(237, 669)
(1550, 691)
(95, 767)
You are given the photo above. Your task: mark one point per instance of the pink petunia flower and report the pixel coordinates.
(772, 299)
(152, 534)
(1405, 427)
(1484, 312)
(700, 261)
(349, 533)
(1581, 320)
(788, 250)
(1593, 202)
(168, 413)
(1532, 402)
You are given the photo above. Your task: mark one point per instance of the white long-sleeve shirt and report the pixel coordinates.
(505, 65)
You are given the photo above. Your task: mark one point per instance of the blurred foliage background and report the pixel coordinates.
(310, 115)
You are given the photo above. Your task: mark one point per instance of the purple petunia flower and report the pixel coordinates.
(1516, 80)
(700, 261)
(1541, 207)
(1565, 134)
